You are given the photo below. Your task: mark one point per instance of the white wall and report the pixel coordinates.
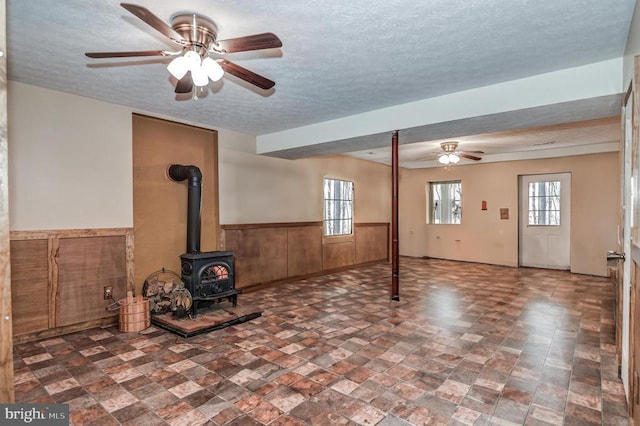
(257, 189)
(69, 161)
(483, 237)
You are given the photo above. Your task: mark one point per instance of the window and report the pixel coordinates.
(445, 200)
(338, 207)
(544, 203)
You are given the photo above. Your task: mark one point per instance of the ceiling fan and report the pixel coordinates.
(200, 55)
(451, 155)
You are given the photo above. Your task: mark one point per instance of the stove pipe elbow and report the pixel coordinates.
(179, 173)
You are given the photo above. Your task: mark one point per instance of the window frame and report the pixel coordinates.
(431, 209)
(326, 220)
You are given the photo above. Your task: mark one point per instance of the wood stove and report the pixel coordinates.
(209, 276)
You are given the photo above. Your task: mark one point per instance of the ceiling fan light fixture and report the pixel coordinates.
(199, 77)
(193, 60)
(178, 67)
(212, 69)
(452, 158)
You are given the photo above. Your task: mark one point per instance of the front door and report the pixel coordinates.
(545, 203)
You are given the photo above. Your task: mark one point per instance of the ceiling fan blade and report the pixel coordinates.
(127, 54)
(469, 156)
(185, 84)
(252, 42)
(432, 157)
(246, 75)
(157, 23)
(474, 152)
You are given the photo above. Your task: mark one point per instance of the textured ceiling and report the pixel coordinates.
(585, 137)
(337, 59)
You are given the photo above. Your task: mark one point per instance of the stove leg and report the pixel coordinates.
(194, 306)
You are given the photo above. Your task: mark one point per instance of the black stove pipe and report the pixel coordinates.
(193, 176)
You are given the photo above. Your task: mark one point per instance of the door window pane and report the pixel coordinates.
(544, 203)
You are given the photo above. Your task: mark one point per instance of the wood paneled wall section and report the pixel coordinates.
(30, 285)
(338, 252)
(85, 267)
(304, 248)
(260, 254)
(633, 378)
(160, 204)
(372, 242)
(277, 251)
(58, 278)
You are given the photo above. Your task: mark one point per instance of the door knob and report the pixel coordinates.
(612, 255)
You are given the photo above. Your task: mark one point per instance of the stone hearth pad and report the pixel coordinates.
(215, 317)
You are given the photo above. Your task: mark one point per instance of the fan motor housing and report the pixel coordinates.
(199, 30)
(449, 147)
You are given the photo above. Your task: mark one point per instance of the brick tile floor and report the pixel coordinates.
(467, 344)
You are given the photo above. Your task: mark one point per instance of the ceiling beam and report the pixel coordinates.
(575, 94)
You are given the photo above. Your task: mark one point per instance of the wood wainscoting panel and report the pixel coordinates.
(30, 285)
(304, 250)
(260, 254)
(372, 242)
(85, 267)
(269, 252)
(338, 252)
(633, 378)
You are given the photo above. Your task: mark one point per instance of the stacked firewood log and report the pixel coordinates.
(167, 293)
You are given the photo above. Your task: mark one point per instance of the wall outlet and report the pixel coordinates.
(108, 293)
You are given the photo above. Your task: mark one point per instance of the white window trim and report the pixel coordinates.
(352, 208)
(430, 208)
